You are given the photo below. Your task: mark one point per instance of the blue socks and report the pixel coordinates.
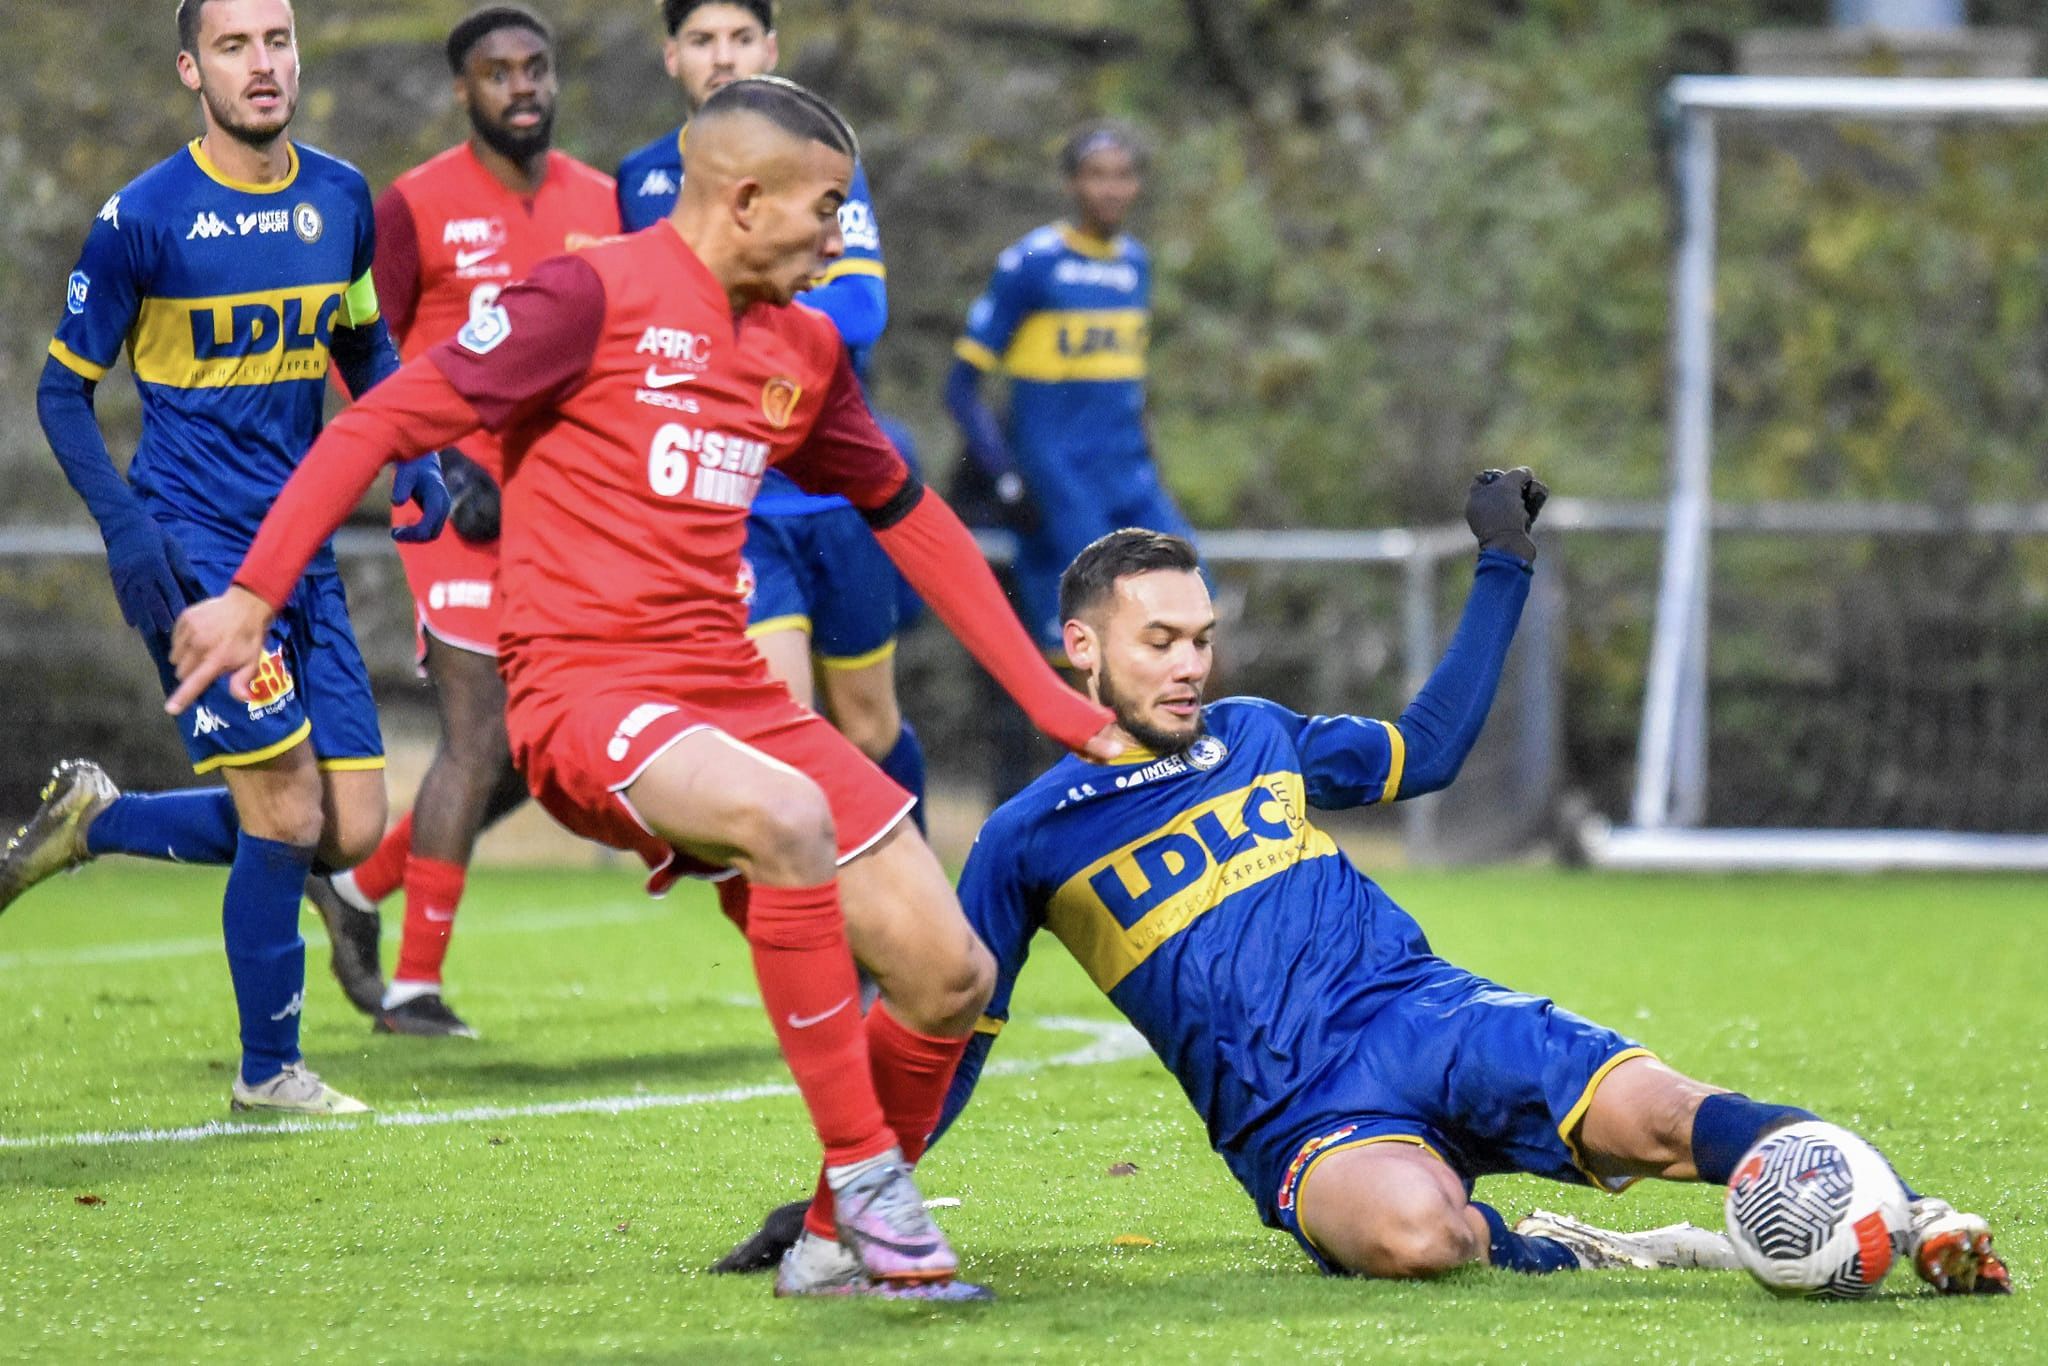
(193, 825)
(1727, 1126)
(905, 767)
(1511, 1251)
(266, 956)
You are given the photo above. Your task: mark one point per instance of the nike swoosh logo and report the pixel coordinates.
(440, 917)
(465, 259)
(806, 1021)
(656, 380)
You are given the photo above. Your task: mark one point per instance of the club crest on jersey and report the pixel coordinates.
(307, 223)
(1290, 1184)
(272, 684)
(779, 399)
(746, 583)
(486, 330)
(1207, 752)
(75, 291)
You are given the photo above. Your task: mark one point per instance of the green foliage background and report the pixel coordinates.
(1394, 241)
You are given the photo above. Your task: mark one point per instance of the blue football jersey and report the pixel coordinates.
(650, 178)
(225, 297)
(1067, 318)
(1199, 895)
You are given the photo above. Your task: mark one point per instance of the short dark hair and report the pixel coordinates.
(1090, 138)
(188, 25)
(673, 12)
(789, 106)
(481, 24)
(1088, 582)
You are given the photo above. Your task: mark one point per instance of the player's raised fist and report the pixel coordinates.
(1501, 507)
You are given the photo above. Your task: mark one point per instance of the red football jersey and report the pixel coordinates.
(637, 414)
(451, 236)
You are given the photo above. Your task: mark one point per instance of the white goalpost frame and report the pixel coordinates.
(1671, 773)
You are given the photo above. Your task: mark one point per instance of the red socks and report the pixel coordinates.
(805, 972)
(911, 1074)
(379, 875)
(433, 889)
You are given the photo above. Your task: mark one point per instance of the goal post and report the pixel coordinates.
(1669, 822)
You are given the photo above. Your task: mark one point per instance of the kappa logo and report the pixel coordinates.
(207, 226)
(637, 720)
(658, 182)
(486, 330)
(110, 212)
(205, 721)
(75, 291)
(295, 1006)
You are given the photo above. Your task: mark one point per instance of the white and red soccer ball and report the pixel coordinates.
(1814, 1210)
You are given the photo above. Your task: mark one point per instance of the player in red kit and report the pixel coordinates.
(451, 234)
(641, 387)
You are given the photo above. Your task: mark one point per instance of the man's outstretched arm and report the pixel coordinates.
(1354, 760)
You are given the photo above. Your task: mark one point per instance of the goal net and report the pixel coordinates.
(1849, 658)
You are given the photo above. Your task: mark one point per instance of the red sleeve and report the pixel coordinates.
(939, 557)
(415, 411)
(531, 348)
(396, 266)
(846, 452)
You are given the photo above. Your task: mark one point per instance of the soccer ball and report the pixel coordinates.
(1813, 1210)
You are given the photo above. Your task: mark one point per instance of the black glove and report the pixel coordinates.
(1501, 507)
(473, 498)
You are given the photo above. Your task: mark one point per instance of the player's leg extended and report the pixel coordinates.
(1645, 1119)
(280, 805)
(469, 784)
(727, 803)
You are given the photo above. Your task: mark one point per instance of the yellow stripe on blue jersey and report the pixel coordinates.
(1117, 911)
(1079, 344)
(260, 337)
(1397, 760)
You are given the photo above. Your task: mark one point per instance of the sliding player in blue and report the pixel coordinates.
(232, 274)
(825, 606)
(1355, 1083)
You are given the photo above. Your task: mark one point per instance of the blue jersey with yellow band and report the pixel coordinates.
(1200, 896)
(1067, 318)
(852, 290)
(225, 297)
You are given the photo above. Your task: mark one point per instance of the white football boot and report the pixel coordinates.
(294, 1091)
(1674, 1247)
(824, 1266)
(1952, 1250)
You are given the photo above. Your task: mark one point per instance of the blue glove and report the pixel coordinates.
(419, 481)
(152, 578)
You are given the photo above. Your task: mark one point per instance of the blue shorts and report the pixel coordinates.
(1064, 532)
(1488, 1080)
(823, 572)
(312, 684)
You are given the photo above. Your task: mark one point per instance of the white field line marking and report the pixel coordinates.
(538, 923)
(1111, 1041)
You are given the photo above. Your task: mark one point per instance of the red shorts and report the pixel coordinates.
(454, 587)
(582, 747)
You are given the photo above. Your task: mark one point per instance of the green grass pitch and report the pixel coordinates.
(552, 1191)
